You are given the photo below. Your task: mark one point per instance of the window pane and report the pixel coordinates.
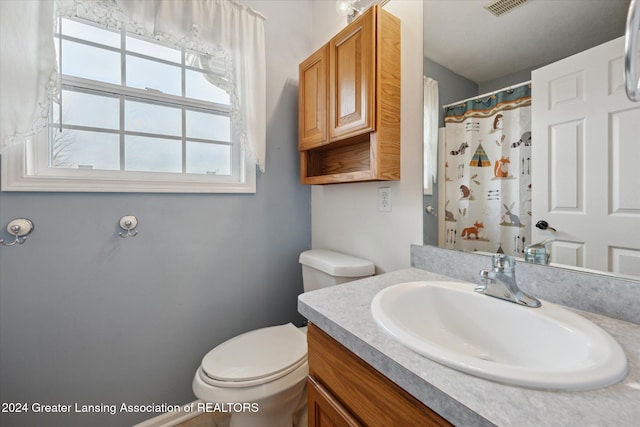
(145, 74)
(153, 154)
(208, 158)
(83, 149)
(83, 109)
(198, 87)
(90, 62)
(152, 118)
(208, 126)
(54, 115)
(156, 50)
(90, 33)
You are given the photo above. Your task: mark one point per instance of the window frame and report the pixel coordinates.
(27, 167)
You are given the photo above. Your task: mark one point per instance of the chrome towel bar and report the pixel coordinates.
(631, 77)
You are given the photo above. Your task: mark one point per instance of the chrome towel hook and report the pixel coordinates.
(128, 223)
(20, 228)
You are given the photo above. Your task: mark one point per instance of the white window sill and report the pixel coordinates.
(17, 176)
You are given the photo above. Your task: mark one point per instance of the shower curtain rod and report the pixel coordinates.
(486, 94)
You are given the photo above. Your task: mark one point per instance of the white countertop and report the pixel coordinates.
(344, 313)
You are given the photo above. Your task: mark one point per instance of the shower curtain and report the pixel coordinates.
(488, 172)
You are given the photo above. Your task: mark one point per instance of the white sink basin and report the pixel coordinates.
(547, 347)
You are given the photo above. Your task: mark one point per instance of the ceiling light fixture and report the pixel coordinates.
(346, 7)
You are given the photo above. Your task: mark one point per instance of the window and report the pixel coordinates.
(134, 105)
(134, 114)
(163, 96)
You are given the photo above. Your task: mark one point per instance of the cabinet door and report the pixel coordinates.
(312, 100)
(368, 396)
(352, 79)
(325, 410)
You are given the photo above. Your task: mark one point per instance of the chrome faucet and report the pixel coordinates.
(500, 282)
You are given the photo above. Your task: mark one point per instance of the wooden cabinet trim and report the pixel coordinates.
(388, 90)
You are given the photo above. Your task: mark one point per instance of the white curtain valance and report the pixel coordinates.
(28, 77)
(221, 28)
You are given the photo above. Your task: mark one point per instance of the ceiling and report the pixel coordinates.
(464, 37)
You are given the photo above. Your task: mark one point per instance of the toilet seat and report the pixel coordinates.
(256, 357)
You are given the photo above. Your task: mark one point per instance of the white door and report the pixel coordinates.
(586, 168)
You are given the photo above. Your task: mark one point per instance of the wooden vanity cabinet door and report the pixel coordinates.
(325, 410)
(352, 79)
(367, 396)
(312, 100)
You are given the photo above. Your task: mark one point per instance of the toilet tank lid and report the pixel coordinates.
(336, 263)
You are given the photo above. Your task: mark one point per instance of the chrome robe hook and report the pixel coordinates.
(128, 223)
(20, 228)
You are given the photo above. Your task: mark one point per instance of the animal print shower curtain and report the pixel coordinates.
(488, 173)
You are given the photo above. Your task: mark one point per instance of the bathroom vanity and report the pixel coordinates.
(360, 375)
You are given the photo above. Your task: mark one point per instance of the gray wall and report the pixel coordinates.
(452, 87)
(88, 317)
(505, 81)
(508, 80)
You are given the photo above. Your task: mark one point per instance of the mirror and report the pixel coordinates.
(470, 53)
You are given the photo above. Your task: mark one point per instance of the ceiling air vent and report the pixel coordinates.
(500, 7)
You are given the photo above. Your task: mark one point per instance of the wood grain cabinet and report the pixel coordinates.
(313, 96)
(343, 390)
(349, 104)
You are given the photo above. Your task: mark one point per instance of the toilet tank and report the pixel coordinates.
(322, 268)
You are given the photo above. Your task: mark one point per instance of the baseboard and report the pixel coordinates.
(171, 419)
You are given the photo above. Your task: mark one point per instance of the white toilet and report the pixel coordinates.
(261, 374)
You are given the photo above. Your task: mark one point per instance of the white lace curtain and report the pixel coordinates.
(222, 28)
(430, 138)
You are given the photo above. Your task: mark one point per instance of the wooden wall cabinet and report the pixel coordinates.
(349, 104)
(343, 390)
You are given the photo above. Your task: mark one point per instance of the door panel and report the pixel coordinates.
(586, 149)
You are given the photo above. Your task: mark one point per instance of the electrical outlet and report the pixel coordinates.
(384, 199)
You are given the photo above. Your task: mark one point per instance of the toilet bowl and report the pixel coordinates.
(260, 373)
(260, 376)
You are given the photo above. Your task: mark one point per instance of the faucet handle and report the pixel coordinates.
(501, 262)
(485, 279)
